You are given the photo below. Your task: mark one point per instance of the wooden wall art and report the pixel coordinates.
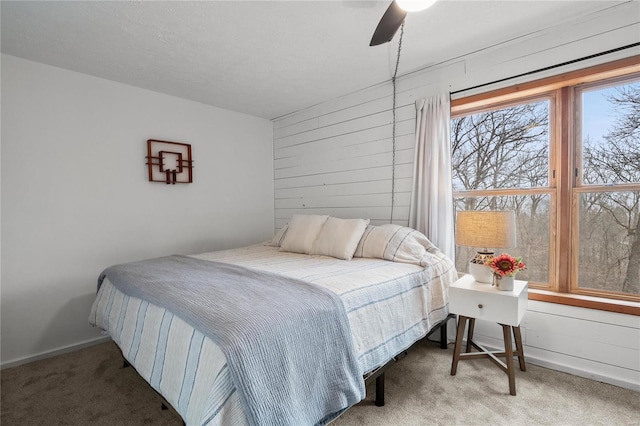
(169, 162)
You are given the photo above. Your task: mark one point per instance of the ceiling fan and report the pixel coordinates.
(394, 17)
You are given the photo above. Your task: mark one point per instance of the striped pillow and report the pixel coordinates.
(396, 243)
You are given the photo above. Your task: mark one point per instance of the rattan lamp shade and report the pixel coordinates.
(486, 229)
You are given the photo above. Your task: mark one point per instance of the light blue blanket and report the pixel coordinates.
(288, 343)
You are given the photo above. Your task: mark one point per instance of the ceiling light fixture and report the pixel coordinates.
(415, 5)
(394, 17)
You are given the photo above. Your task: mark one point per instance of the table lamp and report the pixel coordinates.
(487, 229)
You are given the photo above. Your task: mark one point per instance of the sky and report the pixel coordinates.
(598, 114)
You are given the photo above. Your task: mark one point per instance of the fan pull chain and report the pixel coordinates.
(393, 136)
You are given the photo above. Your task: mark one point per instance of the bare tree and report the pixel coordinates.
(490, 149)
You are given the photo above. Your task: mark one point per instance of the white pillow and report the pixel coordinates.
(396, 243)
(302, 232)
(276, 241)
(339, 237)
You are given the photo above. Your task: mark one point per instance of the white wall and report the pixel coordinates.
(335, 158)
(76, 199)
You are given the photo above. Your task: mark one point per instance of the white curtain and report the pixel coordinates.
(431, 210)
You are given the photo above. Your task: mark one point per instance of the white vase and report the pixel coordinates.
(481, 273)
(503, 283)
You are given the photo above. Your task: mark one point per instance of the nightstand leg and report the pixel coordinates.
(472, 325)
(462, 322)
(508, 350)
(518, 338)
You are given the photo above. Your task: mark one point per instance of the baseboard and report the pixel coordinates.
(583, 373)
(49, 354)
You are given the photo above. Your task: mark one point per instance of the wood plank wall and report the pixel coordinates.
(335, 158)
(338, 161)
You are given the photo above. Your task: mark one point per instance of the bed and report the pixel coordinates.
(391, 286)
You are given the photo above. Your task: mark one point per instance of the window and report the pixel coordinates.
(564, 154)
(607, 188)
(501, 161)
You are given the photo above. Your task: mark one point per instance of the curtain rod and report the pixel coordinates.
(584, 58)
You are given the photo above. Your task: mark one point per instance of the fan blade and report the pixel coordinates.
(388, 25)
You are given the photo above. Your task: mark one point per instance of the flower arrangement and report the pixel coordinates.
(506, 265)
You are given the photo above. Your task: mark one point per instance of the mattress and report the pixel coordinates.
(390, 305)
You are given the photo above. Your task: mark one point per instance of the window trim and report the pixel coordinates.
(561, 88)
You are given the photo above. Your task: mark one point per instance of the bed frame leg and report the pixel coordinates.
(443, 334)
(380, 390)
(125, 363)
(443, 331)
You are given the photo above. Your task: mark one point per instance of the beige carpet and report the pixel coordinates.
(90, 387)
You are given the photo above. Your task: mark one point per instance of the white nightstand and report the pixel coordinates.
(471, 301)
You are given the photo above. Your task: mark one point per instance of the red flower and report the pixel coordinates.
(506, 265)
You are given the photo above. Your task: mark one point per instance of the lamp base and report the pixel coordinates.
(481, 272)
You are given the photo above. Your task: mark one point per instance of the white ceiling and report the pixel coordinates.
(264, 58)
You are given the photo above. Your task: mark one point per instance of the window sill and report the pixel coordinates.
(611, 305)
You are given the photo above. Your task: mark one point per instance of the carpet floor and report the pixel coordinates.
(90, 387)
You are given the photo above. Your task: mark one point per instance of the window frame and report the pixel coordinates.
(578, 187)
(562, 90)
